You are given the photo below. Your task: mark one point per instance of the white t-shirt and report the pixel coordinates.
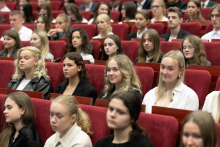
(87, 57)
(99, 36)
(92, 19)
(5, 9)
(140, 35)
(164, 19)
(140, 6)
(23, 84)
(211, 35)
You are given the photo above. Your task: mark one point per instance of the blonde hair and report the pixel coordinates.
(130, 79)
(162, 4)
(67, 20)
(39, 69)
(82, 119)
(177, 57)
(106, 19)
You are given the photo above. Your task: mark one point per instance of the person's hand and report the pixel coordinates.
(54, 31)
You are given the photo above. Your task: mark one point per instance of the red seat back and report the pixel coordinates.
(29, 25)
(115, 15)
(168, 46)
(120, 29)
(205, 12)
(130, 49)
(11, 5)
(1, 45)
(209, 28)
(34, 6)
(25, 43)
(3, 28)
(56, 5)
(96, 46)
(212, 52)
(90, 29)
(57, 48)
(56, 13)
(217, 87)
(35, 15)
(7, 69)
(159, 27)
(79, 2)
(87, 14)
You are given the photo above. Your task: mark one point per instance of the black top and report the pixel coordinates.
(180, 35)
(146, 5)
(27, 137)
(207, 63)
(138, 141)
(159, 61)
(83, 89)
(131, 35)
(179, 4)
(4, 53)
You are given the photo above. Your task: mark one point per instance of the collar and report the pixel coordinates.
(116, 8)
(147, 59)
(206, 3)
(178, 89)
(139, 36)
(142, 3)
(218, 32)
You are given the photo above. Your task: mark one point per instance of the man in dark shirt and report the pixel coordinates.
(176, 3)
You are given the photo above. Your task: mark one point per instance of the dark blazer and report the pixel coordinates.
(83, 7)
(27, 137)
(211, 3)
(59, 35)
(131, 35)
(83, 89)
(4, 53)
(180, 35)
(159, 61)
(146, 5)
(38, 85)
(179, 4)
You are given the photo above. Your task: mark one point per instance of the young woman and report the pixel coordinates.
(66, 3)
(43, 24)
(18, 127)
(70, 123)
(39, 40)
(149, 48)
(12, 44)
(199, 129)
(128, 11)
(75, 15)
(63, 27)
(79, 42)
(193, 51)
(158, 9)
(100, 8)
(45, 10)
(122, 115)
(120, 76)
(112, 47)
(104, 27)
(142, 18)
(39, 2)
(26, 10)
(75, 72)
(171, 92)
(30, 72)
(193, 10)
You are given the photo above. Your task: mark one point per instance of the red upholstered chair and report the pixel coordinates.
(34, 5)
(159, 27)
(97, 116)
(130, 49)
(57, 48)
(2, 97)
(79, 2)
(55, 72)
(56, 5)
(122, 1)
(217, 87)
(168, 46)
(97, 1)
(134, 29)
(96, 46)
(205, 12)
(29, 25)
(120, 29)
(87, 14)
(163, 130)
(212, 52)
(96, 76)
(209, 28)
(11, 5)
(90, 29)
(199, 81)
(1, 45)
(146, 76)
(4, 27)
(115, 15)
(7, 69)
(56, 13)
(5, 15)
(25, 43)
(35, 15)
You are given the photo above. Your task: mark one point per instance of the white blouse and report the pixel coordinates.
(87, 57)
(100, 37)
(184, 98)
(164, 19)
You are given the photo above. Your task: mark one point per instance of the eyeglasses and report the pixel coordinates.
(157, 6)
(44, 15)
(189, 47)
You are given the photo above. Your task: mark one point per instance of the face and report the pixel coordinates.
(15, 21)
(169, 70)
(22, 2)
(215, 18)
(76, 39)
(36, 41)
(66, 2)
(174, 20)
(21, 10)
(60, 24)
(72, 16)
(188, 49)
(118, 116)
(39, 2)
(110, 47)
(113, 72)
(157, 9)
(12, 111)
(9, 43)
(141, 22)
(43, 10)
(27, 60)
(123, 11)
(40, 24)
(103, 9)
(60, 119)
(192, 9)
(70, 69)
(192, 135)
(148, 44)
(102, 24)
(114, 3)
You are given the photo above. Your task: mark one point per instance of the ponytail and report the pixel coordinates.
(136, 130)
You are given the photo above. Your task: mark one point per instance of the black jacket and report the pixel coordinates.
(36, 84)
(180, 35)
(179, 4)
(146, 5)
(131, 35)
(27, 137)
(159, 61)
(4, 53)
(83, 89)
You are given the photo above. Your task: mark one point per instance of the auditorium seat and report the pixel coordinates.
(97, 1)
(168, 46)
(209, 28)
(34, 5)
(96, 46)
(120, 29)
(130, 49)
(35, 15)
(90, 29)
(87, 14)
(205, 12)
(56, 13)
(199, 81)
(159, 27)
(79, 2)
(1, 45)
(29, 25)
(212, 52)
(2, 97)
(5, 15)
(56, 5)
(217, 87)
(7, 69)
(11, 5)
(115, 15)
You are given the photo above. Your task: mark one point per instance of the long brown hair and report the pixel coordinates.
(13, 34)
(198, 14)
(95, 14)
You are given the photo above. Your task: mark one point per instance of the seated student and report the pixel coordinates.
(193, 51)
(70, 123)
(89, 5)
(12, 44)
(3, 7)
(63, 27)
(175, 18)
(103, 25)
(142, 4)
(43, 24)
(39, 40)
(100, 8)
(199, 129)
(26, 10)
(176, 3)
(66, 3)
(207, 3)
(149, 48)
(115, 5)
(112, 47)
(214, 17)
(21, 2)
(75, 15)
(123, 111)
(194, 10)
(171, 92)
(158, 9)
(79, 42)
(39, 2)
(45, 10)
(30, 72)
(120, 76)
(19, 130)
(142, 20)
(128, 11)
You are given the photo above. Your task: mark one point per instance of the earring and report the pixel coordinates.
(179, 76)
(20, 116)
